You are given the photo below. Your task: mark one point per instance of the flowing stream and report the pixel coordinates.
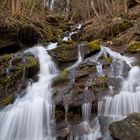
(31, 117)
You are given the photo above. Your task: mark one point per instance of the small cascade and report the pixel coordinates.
(73, 67)
(86, 109)
(30, 117)
(66, 112)
(66, 38)
(52, 46)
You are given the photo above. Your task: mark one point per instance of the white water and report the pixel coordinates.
(29, 118)
(119, 106)
(66, 38)
(52, 46)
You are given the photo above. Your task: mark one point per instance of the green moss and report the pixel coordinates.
(63, 76)
(64, 51)
(108, 60)
(6, 100)
(95, 45)
(100, 83)
(120, 25)
(134, 46)
(31, 62)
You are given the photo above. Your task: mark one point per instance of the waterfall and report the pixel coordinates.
(30, 117)
(113, 107)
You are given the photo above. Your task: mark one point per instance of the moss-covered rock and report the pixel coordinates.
(105, 30)
(31, 67)
(100, 84)
(90, 48)
(120, 25)
(6, 100)
(134, 46)
(62, 77)
(65, 54)
(127, 129)
(15, 71)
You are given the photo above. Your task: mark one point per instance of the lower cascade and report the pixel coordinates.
(31, 117)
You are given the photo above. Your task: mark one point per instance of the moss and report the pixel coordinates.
(134, 46)
(6, 100)
(107, 60)
(120, 25)
(100, 84)
(95, 45)
(63, 76)
(64, 27)
(64, 51)
(31, 62)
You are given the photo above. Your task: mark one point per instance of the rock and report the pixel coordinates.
(8, 46)
(6, 100)
(120, 25)
(28, 35)
(14, 73)
(127, 129)
(53, 20)
(134, 46)
(105, 30)
(90, 48)
(65, 54)
(100, 84)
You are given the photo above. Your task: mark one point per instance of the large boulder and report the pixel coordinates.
(127, 129)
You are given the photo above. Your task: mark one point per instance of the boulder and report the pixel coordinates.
(134, 46)
(127, 129)
(65, 54)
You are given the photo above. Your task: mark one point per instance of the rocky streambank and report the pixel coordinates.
(73, 86)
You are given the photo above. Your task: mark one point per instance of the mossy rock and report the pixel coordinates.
(14, 73)
(95, 45)
(119, 25)
(134, 47)
(100, 84)
(7, 100)
(91, 48)
(65, 54)
(62, 77)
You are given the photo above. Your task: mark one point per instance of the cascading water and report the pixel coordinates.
(29, 118)
(113, 107)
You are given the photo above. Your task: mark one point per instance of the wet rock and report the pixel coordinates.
(127, 129)
(65, 54)
(8, 46)
(134, 46)
(28, 35)
(100, 84)
(15, 71)
(90, 48)
(115, 84)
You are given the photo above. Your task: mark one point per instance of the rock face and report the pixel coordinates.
(28, 35)
(127, 129)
